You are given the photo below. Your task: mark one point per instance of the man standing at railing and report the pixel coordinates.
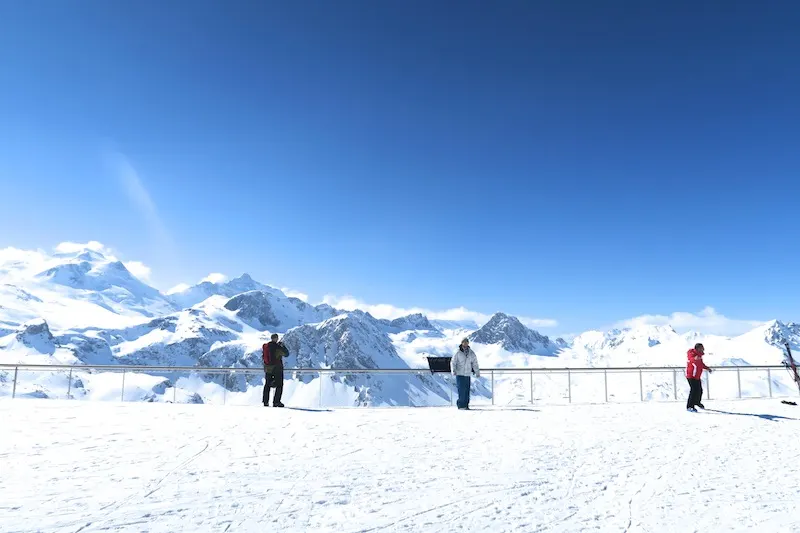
(463, 365)
(694, 375)
(273, 353)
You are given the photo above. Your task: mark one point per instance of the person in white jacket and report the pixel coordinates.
(463, 364)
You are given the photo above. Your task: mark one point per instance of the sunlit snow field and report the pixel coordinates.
(103, 466)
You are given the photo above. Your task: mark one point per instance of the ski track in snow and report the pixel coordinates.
(80, 467)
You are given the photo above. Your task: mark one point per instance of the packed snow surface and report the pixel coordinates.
(86, 466)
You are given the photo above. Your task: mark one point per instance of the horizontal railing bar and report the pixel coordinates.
(146, 368)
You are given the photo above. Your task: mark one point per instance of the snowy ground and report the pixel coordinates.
(99, 466)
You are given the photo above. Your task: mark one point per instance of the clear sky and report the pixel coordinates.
(580, 161)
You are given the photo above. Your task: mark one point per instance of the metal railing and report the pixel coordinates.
(498, 386)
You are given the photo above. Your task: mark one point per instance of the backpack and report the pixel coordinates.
(266, 355)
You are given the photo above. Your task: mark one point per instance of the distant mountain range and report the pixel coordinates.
(86, 308)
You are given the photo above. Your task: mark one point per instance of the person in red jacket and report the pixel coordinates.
(694, 374)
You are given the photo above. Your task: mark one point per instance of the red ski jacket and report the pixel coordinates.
(694, 364)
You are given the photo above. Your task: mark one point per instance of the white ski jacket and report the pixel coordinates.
(464, 363)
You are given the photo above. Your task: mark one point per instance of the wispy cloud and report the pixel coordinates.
(133, 185)
(291, 293)
(180, 287)
(139, 269)
(215, 277)
(77, 247)
(706, 321)
(137, 193)
(459, 314)
(135, 190)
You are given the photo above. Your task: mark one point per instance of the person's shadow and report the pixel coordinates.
(772, 418)
(501, 408)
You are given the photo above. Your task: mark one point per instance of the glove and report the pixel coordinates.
(477, 374)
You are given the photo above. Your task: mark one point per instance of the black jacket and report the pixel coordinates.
(277, 352)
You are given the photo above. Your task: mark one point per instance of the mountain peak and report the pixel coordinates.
(193, 295)
(274, 311)
(777, 333)
(255, 309)
(36, 334)
(504, 321)
(513, 336)
(116, 266)
(90, 255)
(350, 340)
(412, 322)
(107, 280)
(85, 253)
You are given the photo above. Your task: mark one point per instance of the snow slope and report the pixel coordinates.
(147, 467)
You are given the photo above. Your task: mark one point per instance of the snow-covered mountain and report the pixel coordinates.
(413, 322)
(513, 336)
(187, 297)
(357, 341)
(353, 340)
(102, 281)
(274, 311)
(663, 346)
(776, 333)
(86, 307)
(623, 347)
(81, 289)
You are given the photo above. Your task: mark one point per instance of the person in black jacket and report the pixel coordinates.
(273, 353)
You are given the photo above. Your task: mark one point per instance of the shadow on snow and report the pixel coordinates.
(772, 418)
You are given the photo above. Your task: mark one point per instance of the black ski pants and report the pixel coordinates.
(273, 378)
(695, 392)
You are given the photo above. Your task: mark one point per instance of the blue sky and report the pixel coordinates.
(584, 162)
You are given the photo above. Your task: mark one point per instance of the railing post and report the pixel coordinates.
(739, 381)
(531, 387)
(708, 385)
(675, 384)
(320, 390)
(492, 374)
(175, 392)
(569, 385)
(69, 385)
(451, 392)
(14, 387)
(769, 381)
(225, 386)
(641, 387)
(605, 383)
(122, 394)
